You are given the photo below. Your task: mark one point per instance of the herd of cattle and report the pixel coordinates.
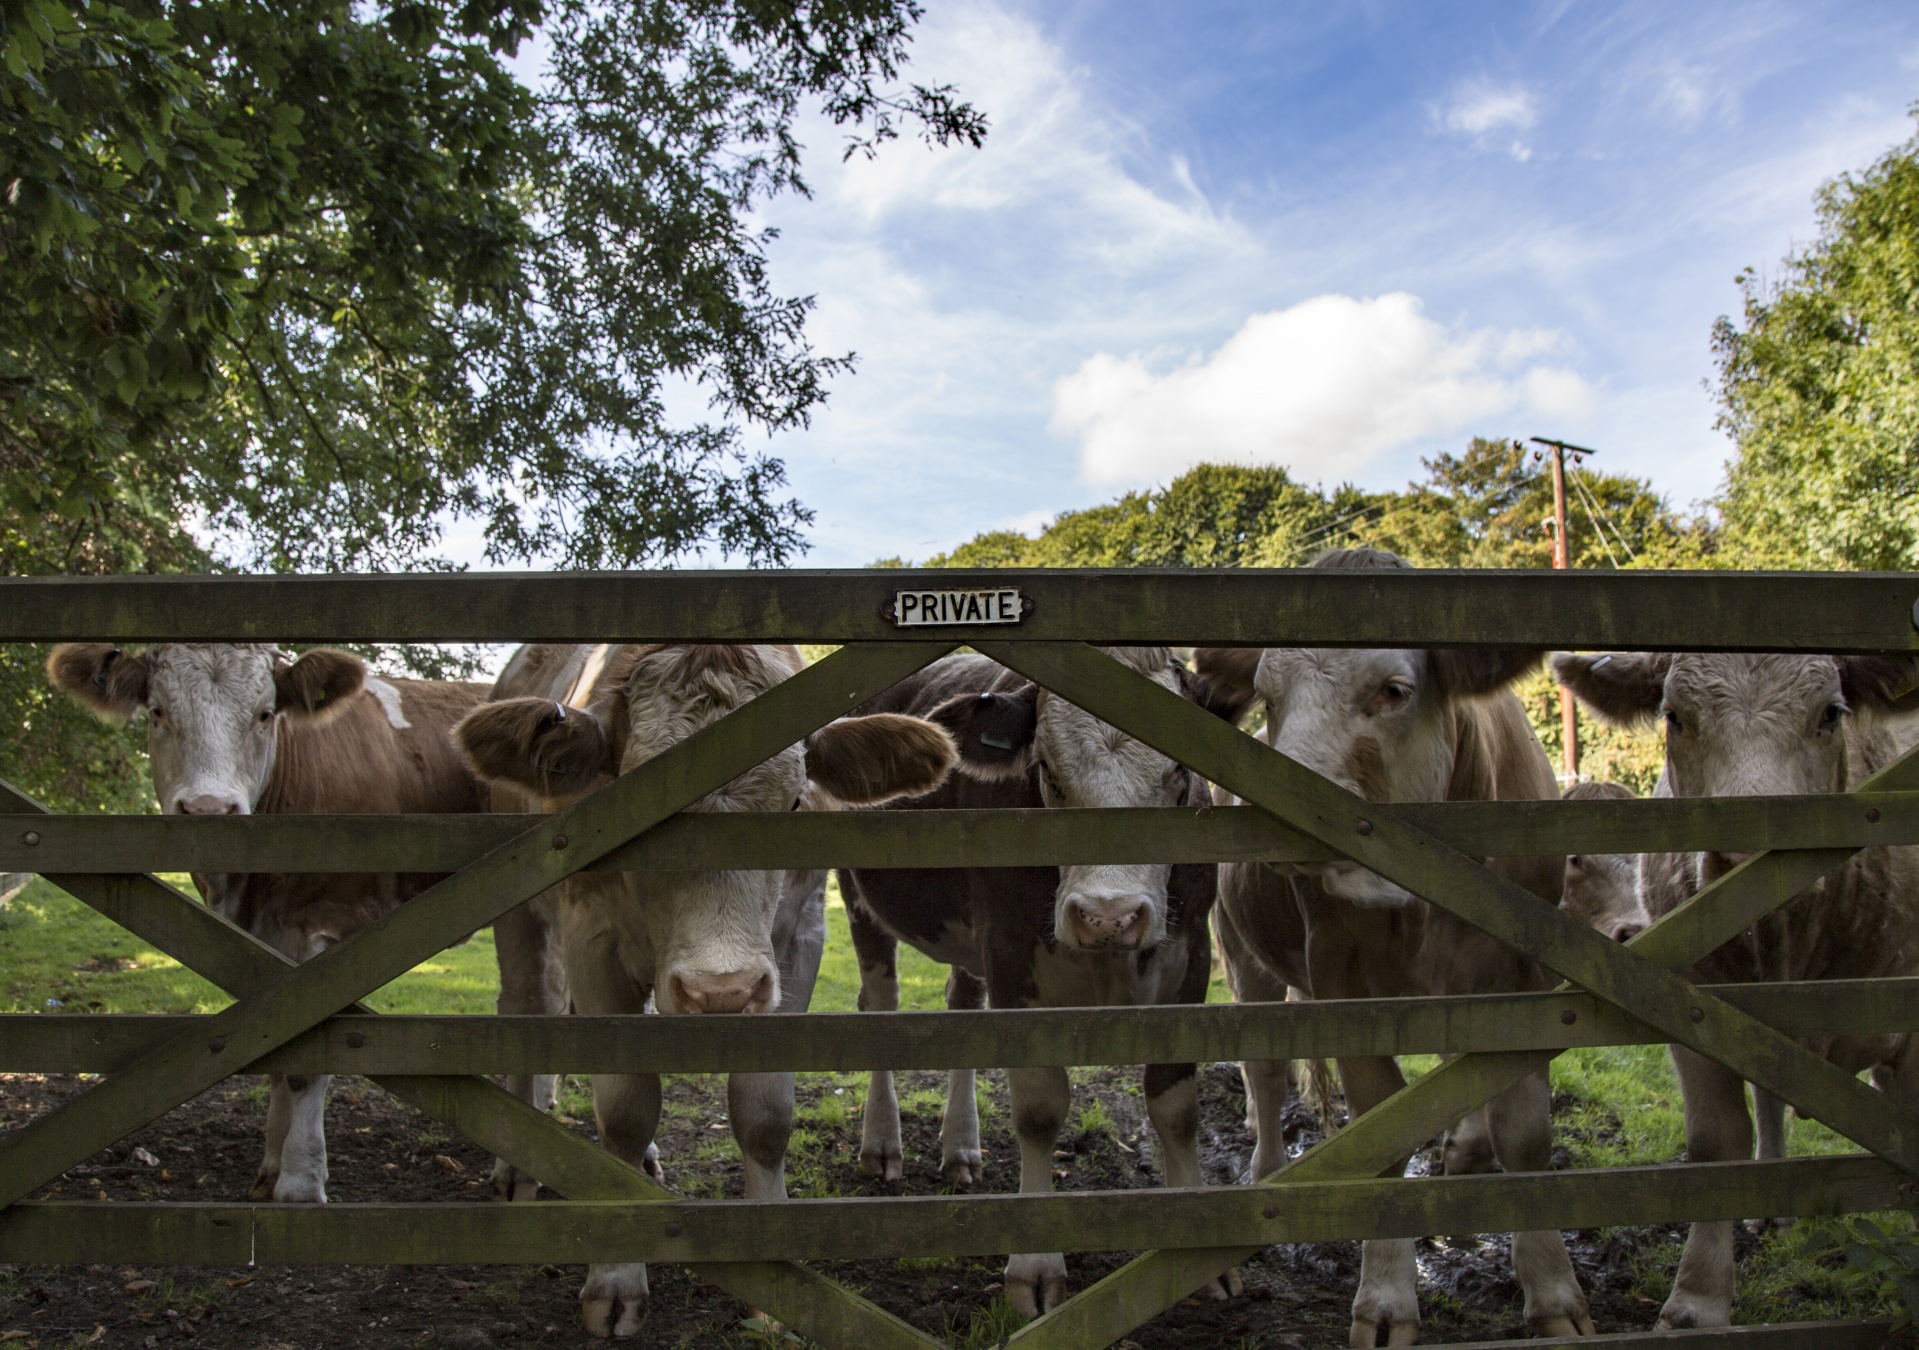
(242, 729)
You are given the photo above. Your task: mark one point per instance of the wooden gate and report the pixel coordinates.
(305, 1019)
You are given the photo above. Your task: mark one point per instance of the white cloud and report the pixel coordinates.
(1479, 109)
(1321, 387)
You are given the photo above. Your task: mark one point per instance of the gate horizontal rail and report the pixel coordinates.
(959, 838)
(1652, 611)
(956, 1225)
(982, 1039)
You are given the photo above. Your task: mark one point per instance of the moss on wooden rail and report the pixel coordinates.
(851, 1042)
(1593, 610)
(942, 1225)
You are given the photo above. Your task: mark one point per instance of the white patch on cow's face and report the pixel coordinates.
(1372, 721)
(1742, 725)
(1602, 892)
(1083, 762)
(712, 930)
(211, 726)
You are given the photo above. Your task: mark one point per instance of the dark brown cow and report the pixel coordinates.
(1394, 725)
(238, 729)
(1038, 937)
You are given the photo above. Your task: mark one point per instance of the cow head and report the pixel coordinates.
(1602, 889)
(1081, 761)
(213, 709)
(712, 930)
(1743, 724)
(1384, 723)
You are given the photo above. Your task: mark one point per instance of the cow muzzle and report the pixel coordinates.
(209, 804)
(1106, 920)
(723, 991)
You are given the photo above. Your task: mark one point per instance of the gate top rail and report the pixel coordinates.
(1589, 610)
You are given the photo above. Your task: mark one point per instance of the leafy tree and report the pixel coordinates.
(1819, 386)
(316, 278)
(326, 275)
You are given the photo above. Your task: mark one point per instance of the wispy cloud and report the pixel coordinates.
(1321, 387)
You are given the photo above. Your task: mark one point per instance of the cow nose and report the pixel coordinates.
(722, 991)
(1107, 921)
(1730, 860)
(208, 805)
(1627, 929)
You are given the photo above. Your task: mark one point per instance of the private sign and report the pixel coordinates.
(923, 609)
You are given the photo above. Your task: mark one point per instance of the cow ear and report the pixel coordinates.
(1223, 680)
(1622, 687)
(994, 732)
(1880, 683)
(537, 744)
(100, 677)
(319, 683)
(865, 760)
(1478, 671)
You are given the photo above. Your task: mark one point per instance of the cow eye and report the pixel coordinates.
(157, 714)
(266, 715)
(1672, 721)
(1830, 717)
(1573, 860)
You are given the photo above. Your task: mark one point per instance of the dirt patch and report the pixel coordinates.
(1296, 1296)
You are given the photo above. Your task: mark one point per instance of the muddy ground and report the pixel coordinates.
(1296, 1296)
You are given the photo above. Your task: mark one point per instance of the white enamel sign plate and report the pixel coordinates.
(927, 609)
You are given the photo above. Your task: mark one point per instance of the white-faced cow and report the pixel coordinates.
(239, 729)
(1602, 889)
(708, 941)
(1744, 725)
(1038, 937)
(1394, 726)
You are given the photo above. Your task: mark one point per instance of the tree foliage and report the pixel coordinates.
(321, 276)
(1819, 386)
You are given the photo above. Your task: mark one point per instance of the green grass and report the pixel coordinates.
(58, 955)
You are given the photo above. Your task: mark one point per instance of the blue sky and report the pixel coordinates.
(1332, 236)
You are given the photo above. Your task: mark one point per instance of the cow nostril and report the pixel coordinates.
(1626, 932)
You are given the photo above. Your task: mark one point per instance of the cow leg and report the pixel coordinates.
(1519, 1121)
(960, 1161)
(303, 1171)
(627, 1109)
(1718, 1129)
(1769, 1114)
(1036, 1282)
(1172, 1104)
(1388, 1295)
(1268, 1081)
(531, 982)
(279, 1113)
(760, 1107)
(881, 1152)
(1468, 1147)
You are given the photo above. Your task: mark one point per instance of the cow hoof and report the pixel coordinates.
(963, 1168)
(885, 1162)
(1365, 1334)
(294, 1191)
(1035, 1283)
(598, 1315)
(525, 1189)
(1226, 1286)
(262, 1188)
(1686, 1310)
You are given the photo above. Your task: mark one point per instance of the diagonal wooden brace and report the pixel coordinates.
(1423, 865)
(232, 958)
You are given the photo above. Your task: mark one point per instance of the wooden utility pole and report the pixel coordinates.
(1562, 559)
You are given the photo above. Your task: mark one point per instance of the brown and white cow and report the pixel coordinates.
(1038, 937)
(709, 941)
(1743, 725)
(1602, 889)
(239, 729)
(1395, 725)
